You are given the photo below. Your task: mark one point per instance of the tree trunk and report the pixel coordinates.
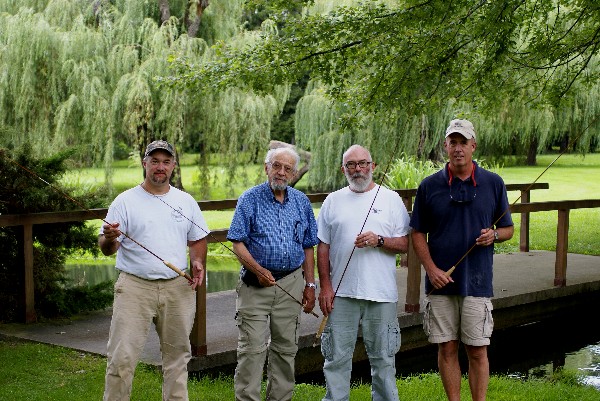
(143, 139)
(193, 24)
(176, 176)
(304, 158)
(532, 151)
(423, 137)
(165, 11)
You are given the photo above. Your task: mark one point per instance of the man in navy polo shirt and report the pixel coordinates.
(460, 207)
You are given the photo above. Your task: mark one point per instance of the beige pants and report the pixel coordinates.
(171, 305)
(267, 318)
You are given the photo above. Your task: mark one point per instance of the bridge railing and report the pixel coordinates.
(198, 337)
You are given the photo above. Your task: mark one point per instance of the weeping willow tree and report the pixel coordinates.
(79, 73)
(320, 125)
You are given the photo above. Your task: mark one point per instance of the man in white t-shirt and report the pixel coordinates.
(357, 274)
(166, 221)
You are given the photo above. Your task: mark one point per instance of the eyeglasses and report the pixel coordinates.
(361, 164)
(277, 166)
(464, 192)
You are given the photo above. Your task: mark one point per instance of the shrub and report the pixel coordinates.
(22, 193)
(407, 172)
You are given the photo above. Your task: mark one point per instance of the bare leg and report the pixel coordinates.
(450, 369)
(479, 371)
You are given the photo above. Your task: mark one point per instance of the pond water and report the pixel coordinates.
(216, 280)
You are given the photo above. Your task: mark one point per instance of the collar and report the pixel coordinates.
(450, 176)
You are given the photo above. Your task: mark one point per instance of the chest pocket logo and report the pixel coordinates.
(177, 215)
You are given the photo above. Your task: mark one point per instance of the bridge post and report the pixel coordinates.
(562, 246)
(198, 334)
(524, 232)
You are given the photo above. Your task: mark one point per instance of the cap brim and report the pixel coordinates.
(466, 134)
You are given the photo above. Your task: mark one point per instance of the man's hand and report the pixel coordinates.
(326, 296)
(486, 238)
(111, 231)
(438, 277)
(265, 278)
(308, 299)
(108, 240)
(197, 274)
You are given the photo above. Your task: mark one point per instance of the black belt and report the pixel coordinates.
(249, 278)
(283, 273)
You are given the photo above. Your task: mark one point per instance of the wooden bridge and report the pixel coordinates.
(528, 286)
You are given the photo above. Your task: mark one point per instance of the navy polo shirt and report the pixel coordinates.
(452, 213)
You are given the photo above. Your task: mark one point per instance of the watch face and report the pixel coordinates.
(380, 241)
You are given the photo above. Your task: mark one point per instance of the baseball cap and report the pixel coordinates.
(463, 127)
(160, 144)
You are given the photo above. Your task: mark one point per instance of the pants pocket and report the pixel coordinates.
(394, 339)
(488, 323)
(427, 317)
(327, 344)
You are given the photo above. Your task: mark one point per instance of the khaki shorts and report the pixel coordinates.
(447, 316)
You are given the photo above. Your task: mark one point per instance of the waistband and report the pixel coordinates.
(157, 280)
(278, 275)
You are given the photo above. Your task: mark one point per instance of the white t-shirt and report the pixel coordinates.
(158, 227)
(371, 273)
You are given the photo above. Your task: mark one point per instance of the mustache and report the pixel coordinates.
(358, 175)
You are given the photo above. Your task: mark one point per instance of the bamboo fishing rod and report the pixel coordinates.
(75, 201)
(245, 262)
(449, 272)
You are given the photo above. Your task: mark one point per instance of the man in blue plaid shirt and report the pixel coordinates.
(273, 234)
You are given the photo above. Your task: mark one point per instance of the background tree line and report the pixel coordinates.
(98, 75)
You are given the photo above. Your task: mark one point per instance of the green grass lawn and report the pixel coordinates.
(570, 177)
(41, 372)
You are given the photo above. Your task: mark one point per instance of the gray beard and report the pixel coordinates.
(278, 187)
(359, 184)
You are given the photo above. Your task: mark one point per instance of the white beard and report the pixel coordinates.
(359, 182)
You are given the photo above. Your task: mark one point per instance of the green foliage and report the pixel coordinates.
(407, 172)
(83, 298)
(22, 193)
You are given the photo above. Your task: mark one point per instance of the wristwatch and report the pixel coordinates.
(380, 241)
(495, 235)
(311, 285)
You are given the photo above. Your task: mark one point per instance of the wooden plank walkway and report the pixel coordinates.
(524, 292)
